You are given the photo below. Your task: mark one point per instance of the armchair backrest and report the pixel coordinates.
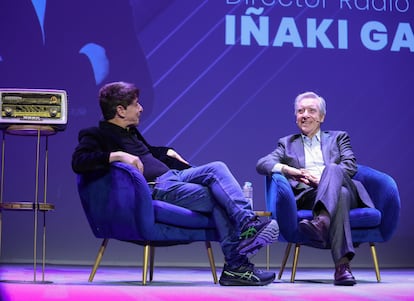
(117, 202)
(384, 193)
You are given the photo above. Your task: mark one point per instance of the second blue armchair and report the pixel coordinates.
(368, 225)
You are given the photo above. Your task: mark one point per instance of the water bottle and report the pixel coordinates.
(248, 193)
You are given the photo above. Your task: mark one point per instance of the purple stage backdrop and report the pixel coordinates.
(218, 80)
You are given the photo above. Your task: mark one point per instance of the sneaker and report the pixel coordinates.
(257, 234)
(246, 275)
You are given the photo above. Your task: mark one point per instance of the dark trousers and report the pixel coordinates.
(337, 194)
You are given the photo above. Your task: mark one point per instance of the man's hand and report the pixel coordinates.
(127, 158)
(293, 172)
(309, 179)
(301, 175)
(174, 154)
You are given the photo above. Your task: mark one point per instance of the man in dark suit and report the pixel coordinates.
(319, 166)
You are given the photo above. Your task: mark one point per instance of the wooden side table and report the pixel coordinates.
(36, 206)
(267, 214)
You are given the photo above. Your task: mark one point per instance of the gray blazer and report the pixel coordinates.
(336, 148)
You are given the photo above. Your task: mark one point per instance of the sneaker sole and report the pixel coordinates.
(264, 237)
(241, 282)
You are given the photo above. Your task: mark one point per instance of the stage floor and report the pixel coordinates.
(124, 283)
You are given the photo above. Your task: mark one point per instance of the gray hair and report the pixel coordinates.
(322, 103)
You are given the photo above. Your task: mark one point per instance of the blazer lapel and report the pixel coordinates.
(297, 145)
(325, 142)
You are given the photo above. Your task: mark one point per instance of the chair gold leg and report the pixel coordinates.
(285, 258)
(152, 257)
(211, 260)
(295, 263)
(268, 257)
(98, 258)
(375, 259)
(145, 265)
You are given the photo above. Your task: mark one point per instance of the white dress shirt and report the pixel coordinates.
(313, 156)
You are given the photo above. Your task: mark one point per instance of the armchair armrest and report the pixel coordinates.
(118, 203)
(281, 202)
(384, 193)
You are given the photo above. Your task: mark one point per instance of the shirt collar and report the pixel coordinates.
(308, 140)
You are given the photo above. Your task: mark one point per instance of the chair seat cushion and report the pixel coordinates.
(170, 214)
(359, 217)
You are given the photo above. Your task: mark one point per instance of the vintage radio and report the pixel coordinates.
(33, 107)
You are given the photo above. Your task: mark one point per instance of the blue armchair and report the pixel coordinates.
(368, 225)
(118, 205)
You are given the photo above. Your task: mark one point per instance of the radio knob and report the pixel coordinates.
(53, 112)
(8, 111)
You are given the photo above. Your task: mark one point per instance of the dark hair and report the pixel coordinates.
(116, 94)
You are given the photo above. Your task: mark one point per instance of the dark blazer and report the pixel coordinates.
(336, 148)
(96, 144)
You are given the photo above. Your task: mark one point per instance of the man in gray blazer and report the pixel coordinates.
(319, 166)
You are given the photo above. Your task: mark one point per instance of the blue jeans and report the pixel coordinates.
(210, 189)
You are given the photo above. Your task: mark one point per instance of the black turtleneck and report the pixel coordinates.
(131, 143)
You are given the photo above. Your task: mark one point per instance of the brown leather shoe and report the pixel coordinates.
(316, 231)
(343, 275)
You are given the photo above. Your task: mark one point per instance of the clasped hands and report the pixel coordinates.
(301, 175)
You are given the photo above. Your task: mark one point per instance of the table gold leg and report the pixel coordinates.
(35, 205)
(2, 184)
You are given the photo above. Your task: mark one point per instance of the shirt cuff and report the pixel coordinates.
(278, 167)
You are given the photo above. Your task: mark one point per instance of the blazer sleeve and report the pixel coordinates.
(160, 152)
(346, 158)
(264, 165)
(92, 152)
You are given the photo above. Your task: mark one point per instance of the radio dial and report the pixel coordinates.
(8, 111)
(53, 112)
